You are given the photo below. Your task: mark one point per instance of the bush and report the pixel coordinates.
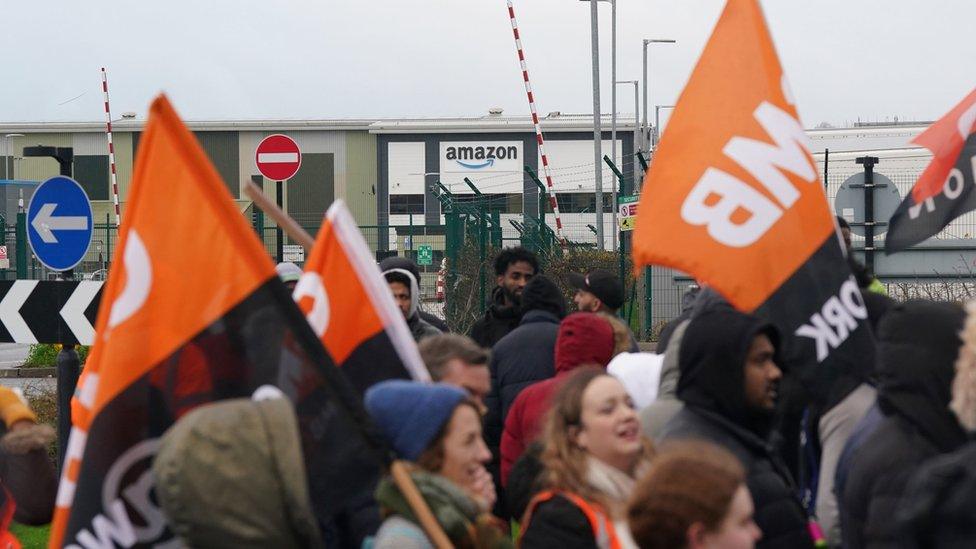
(43, 355)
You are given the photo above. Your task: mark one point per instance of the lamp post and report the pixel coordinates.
(7, 160)
(597, 129)
(637, 139)
(598, 156)
(657, 122)
(647, 42)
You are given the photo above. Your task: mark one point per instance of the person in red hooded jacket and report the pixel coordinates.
(584, 339)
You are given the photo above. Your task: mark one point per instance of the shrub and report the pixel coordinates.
(43, 355)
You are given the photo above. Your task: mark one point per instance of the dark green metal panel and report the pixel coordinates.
(92, 172)
(312, 190)
(224, 152)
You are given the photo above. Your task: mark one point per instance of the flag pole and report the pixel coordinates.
(397, 469)
(424, 515)
(294, 230)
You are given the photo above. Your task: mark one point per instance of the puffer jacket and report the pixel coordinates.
(917, 349)
(526, 355)
(584, 339)
(711, 385)
(656, 415)
(938, 510)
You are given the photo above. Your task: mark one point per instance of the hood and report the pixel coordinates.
(543, 294)
(711, 362)
(689, 297)
(918, 344)
(877, 305)
(670, 370)
(583, 339)
(231, 474)
(414, 289)
(398, 262)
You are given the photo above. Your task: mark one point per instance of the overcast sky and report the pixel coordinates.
(244, 59)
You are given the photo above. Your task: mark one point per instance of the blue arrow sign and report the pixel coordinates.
(59, 223)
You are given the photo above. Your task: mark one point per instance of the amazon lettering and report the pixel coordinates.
(481, 153)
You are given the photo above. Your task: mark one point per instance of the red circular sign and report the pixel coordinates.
(278, 157)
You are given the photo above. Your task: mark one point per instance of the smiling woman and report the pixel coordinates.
(593, 454)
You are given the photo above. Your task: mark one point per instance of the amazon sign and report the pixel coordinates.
(460, 159)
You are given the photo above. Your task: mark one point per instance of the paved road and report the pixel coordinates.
(13, 355)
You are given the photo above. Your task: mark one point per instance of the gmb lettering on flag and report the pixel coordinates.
(944, 191)
(167, 342)
(348, 304)
(733, 198)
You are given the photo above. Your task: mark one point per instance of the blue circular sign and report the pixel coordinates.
(59, 223)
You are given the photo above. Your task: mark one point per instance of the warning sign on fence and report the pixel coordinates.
(626, 212)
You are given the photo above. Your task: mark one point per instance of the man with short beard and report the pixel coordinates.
(729, 378)
(514, 268)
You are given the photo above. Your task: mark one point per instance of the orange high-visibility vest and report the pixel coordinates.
(603, 531)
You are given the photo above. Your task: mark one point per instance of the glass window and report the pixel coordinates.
(407, 204)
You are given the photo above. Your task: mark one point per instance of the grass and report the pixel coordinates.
(31, 537)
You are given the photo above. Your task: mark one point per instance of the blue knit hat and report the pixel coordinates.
(410, 414)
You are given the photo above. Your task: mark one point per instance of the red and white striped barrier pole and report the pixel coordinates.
(441, 274)
(111, 152)
(535, 122)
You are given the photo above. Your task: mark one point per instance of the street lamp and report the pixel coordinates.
(657, 122)
(7, 155)
(648, 41)
(597, 129)
(598, 135)
(636, 118)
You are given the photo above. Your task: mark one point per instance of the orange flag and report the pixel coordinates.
(192, 312)
(733, 197)
(348, 304)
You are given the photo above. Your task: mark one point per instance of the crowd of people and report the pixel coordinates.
(546, 427)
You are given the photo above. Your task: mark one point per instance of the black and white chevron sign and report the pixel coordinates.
(41, 311)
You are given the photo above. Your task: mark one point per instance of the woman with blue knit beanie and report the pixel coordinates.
(437, 427)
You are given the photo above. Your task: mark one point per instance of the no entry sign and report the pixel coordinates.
(278, 157)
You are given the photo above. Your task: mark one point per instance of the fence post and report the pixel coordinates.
(21, 245)
(648, 311)
(453, 241)
(482, 253)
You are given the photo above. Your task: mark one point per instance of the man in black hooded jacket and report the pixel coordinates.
(728, 382)
(514, 268)
(918, 343)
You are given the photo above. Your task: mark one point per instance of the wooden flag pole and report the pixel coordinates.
(409, 490)
(397, 469)
(294, 230)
